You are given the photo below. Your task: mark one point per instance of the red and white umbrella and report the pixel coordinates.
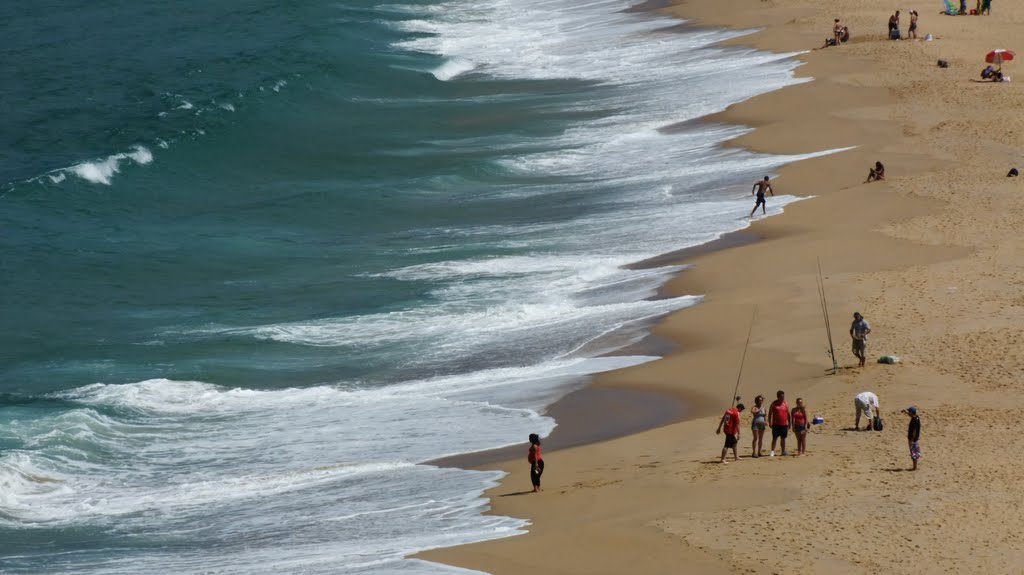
(997, 57)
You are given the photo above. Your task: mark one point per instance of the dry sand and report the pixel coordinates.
(932, 257)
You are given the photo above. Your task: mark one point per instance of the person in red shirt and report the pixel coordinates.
(778, 419)
(799, 418)
(731, 424)
(536, 460)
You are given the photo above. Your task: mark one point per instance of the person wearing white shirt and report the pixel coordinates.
(866, 403)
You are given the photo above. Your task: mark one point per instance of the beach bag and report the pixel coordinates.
(1013, 173)
(943, 64)
(894, 34)
(877, 423)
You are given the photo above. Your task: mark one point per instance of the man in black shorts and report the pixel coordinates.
(759, 188)
(778, 419)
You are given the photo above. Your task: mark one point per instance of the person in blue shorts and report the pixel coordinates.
(760, 187)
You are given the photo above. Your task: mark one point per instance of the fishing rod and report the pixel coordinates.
(824, 312)
(743, 360)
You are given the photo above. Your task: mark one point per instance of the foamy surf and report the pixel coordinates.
(102, 171)
(452, 69)
(294, 325)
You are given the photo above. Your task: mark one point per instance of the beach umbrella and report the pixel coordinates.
(997, 57)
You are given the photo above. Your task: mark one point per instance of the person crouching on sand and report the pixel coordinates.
(536, 462)
(866, 403)
(731, 423)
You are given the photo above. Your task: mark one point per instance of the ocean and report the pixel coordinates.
(261, 261)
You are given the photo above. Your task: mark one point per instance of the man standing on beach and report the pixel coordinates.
(759, 188)
(778, 419)
(731, 423)
(859, 331)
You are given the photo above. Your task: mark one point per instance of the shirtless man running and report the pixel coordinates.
(759, 188)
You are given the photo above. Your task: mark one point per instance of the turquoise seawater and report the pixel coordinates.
(260, 261)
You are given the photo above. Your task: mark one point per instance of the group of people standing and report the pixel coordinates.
(778, 417)
(781, 419)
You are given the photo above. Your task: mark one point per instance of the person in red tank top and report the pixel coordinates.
(799, 418)
(536, 460)
(778, 419)
(731, 424)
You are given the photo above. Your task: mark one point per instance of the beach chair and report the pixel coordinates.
(950, 9)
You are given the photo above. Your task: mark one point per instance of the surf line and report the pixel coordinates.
(828, 325)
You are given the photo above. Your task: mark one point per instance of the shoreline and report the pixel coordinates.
(917, 264)
(635, 409)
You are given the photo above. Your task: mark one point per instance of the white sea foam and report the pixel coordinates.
(295, 466)
(452, 68)
(102, 171)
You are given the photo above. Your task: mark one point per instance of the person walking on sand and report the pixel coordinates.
(800, 425)
(866, 403)
(759, 189)
(778, 419)
(859, 331)
(913, 436)
(536, 460)
(757, 426)
(731, 423)
(912, 31)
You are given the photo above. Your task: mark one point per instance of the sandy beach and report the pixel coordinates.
(930, 256)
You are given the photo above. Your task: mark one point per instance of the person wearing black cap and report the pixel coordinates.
(913, 435)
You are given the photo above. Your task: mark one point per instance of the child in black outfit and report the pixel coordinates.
(913, 435)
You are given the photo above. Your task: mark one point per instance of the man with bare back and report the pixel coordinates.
(759, 189)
